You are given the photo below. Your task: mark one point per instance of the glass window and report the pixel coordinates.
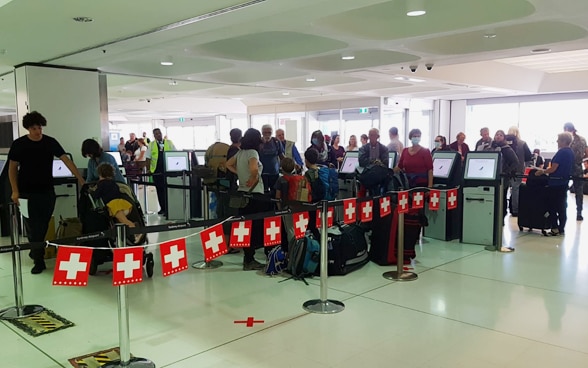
(495, 117)
(393, 119)
(257, 121)
(357, 122)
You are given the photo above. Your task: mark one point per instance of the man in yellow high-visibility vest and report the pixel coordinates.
(154, 158)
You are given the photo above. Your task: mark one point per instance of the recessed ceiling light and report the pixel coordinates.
(541, 50)
(416, 80)
(416, 13)
(167, 61)
(311, 79)
(83, 19)
(285, 93)
(347, 57)
(490, 35)
(401, 78)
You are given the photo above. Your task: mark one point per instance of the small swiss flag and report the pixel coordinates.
(349, 211)
(452, 199)
(403, 202)
(301, 220)
(72, 266)
(385, 207)
(418, 200)
(366, 211)
(434, 199)
(241, 234)
(174, 258)
(272, 231)
(213, 242)
(330, 215)
(127, 266)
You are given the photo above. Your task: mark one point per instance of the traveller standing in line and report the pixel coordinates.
(395, 145)
(460, 145)
(96, 156)
(30, 172)
(155, 165)
(485, 142)
(352, 144)
(290, 149)
(271, 153)
(580, 150)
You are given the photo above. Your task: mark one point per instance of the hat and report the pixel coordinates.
(569, 127)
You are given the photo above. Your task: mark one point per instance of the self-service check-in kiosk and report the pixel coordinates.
(176, 166)
(347, 175)
(66, 191)
(5, 192)
(481, 198)
(445, 224)
(196, 191)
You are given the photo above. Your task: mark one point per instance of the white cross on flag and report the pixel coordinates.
(452, 199)
(434, 199)
(72, 266)
(127, 266)
(330, 213)
(174, 258)
(213, 242)
(272, 231)
(350, 210)
(241, 234)
(366, 211)
(385, 208)
(418, 200)
(301, 220)
(403, 202)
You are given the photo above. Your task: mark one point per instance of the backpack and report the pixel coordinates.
(215, 158)
(276, 261)
(304, 257)
(398, 182)
(330, 179)
(299, 188)
(317, 187)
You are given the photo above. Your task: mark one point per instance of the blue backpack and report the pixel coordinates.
(304, 257)
(330, 179)
(276, 261)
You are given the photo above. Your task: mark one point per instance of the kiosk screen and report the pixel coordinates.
(442, 167)
(480, 168)
(350, 162)
(176, 161)
(392, 159)
(3, 161)
(117, 157)
(60, 170)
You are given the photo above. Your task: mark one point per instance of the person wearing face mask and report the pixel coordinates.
(459, 145)
(440, 144)
(326, 155)
(416, 161)
(271, 152)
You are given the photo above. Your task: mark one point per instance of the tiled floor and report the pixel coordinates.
(469, 308)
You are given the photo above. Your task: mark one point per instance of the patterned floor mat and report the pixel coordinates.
(41, 323)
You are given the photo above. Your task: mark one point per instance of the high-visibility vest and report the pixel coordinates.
(154, 147)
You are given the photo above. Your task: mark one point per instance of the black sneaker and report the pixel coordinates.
(38, 268)
(253, 266)
(579, 218)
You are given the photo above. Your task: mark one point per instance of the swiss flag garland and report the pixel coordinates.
(385, 207)
(330, 215)
(349, 211)
(418, 200)
(434, 199)
(272, 231)
(403, 202)
(452, 199)
(174, 258)
(72, 266)
(241, 234)
(213, 242)
(127, 266)
(300, 224)
(366, 211)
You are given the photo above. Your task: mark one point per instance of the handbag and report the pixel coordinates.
(239, 200)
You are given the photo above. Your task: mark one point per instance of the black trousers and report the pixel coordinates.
(160, 187)
(41, 206)
(558, 204)
(255, 206)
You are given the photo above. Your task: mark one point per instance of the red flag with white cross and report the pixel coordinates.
(330, 215)
(452, 199)
(72, 266)
(174, 257)
(385, 207)
(418, 200)
(366, 211)
(301, 220)
(241, 234)
(272, 231)
(213, 242)
(434, 199)
(403, 202)
(349, 211)
(127, 266)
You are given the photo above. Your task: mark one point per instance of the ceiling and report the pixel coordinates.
(231, 54)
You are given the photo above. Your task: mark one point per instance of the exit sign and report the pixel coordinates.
(181, 120)
(363, 110)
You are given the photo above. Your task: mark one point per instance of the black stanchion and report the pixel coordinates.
(203, 265)
(19, 310)
(324, 305)
(400, 274)
(123, 320)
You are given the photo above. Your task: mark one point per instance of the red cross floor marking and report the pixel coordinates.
(249, 322)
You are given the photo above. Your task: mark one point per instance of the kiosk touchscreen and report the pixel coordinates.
(392, 157)
(60, 170)
(3, 162)
(446, 168)
(117, 157)
(350, 162)
(481, 166)
(176, 161)
(178, 199)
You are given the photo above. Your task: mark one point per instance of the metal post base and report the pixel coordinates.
(26, 310)
(490, 248)
(134, 362)
(203, 265)
(400, 276)
(323, 307)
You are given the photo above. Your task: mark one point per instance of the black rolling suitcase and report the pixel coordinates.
(533, 208)
(347, 249)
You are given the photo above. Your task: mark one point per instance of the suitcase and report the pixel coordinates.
(385, 234)
(347, 249)
(533, 208)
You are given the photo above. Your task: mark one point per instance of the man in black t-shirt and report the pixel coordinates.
(30, 172)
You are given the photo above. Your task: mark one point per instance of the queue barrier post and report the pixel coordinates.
(203, 265)
(19, 310)
(324, 305)
(400, 274)
(498, 221)
(123, 320)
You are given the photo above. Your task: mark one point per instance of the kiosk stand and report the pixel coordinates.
(66, 191)
(176, 164)
(203, 265)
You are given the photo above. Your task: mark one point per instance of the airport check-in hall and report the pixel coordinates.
(265, 183)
